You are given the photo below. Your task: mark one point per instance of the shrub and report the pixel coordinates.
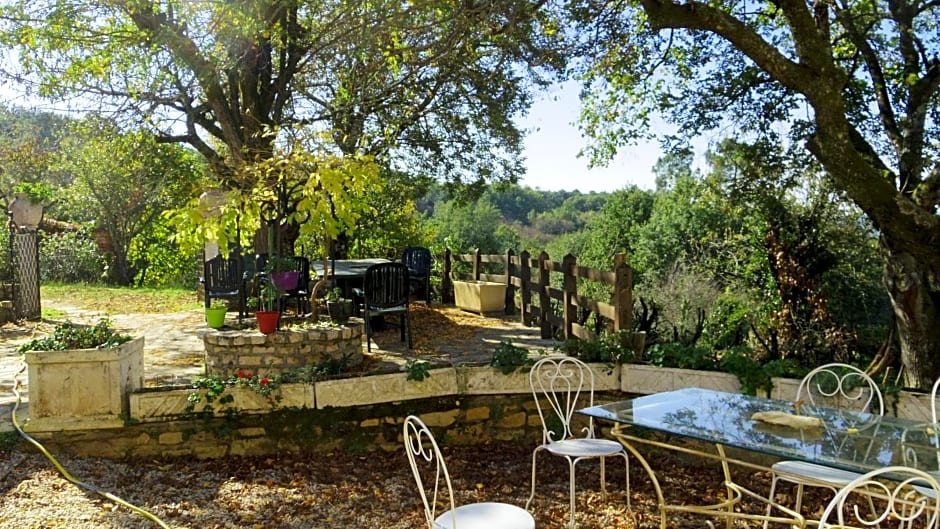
(70, 257)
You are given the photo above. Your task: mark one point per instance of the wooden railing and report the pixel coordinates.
(531, 294)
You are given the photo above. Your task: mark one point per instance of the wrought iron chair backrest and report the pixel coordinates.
(423, 452)
(385, 285)
(559, 384)
(894, 496)
(841, 386)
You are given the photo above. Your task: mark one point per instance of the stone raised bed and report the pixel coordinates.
(231, 350)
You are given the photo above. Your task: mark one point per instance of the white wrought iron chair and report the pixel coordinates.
(561, 385)
(832, 385)
(440, 511)
(892, 497)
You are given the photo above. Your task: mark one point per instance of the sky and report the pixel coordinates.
(553, 143)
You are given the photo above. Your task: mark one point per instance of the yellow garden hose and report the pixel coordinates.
(65, 473)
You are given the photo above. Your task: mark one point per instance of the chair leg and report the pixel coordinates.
(770, 498)
(401, 326)
(368, 332)
(571, 463)
(532, 493)
(410, 331)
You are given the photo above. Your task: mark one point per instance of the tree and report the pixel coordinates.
(857, 82)
(427, 87)
(123, 181)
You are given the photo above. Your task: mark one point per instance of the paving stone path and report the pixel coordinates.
(174, 352)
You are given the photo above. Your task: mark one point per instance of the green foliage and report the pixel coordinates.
(68, 335)
(675, 354)
(124, 180)
(70, 257)
(417, 370)
(752, 374)
(37, 192)
(218, 304)
(509, 358)
(613, 348)
(279, 263)
(212, 390)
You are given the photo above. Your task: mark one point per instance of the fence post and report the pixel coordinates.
(622, 294)
(447, 289)
(477, 264)
(525, 278)
(510, 287)
(545, 304)
(569, 293)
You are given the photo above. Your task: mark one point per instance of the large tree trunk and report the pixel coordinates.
(915, 303)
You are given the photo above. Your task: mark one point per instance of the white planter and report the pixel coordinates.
(480, 296)
(25, 212)
(81, 388)
(644, 379)
(389, 387)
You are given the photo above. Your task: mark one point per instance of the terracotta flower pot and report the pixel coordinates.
(267, 320)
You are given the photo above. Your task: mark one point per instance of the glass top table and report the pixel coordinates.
(854, 441)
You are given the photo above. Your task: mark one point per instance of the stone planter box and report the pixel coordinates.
(480, 296)
(389, 387)
(83, 388)
(644, 379)
(485, 380)
(150, 405)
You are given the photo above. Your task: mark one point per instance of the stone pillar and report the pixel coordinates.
(26, 216)
(26, 274)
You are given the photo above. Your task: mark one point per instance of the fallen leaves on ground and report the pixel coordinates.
(343, 489)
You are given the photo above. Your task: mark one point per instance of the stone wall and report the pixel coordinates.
(361, 428)
(228, 351)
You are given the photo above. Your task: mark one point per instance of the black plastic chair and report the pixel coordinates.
(419, 261)
(223, 278)
(385, 289)
(302, 293)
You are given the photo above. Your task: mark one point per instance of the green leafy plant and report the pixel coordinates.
(417, 370)
(281, 263)
(508, 357)
(218, 304)
(336, 294)
(68, 335)
(37, 192)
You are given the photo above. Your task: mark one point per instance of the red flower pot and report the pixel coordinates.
(267, 320)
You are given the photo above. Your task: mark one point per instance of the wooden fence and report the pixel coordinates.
(529, 290)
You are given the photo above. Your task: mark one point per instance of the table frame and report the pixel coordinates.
(735, 492)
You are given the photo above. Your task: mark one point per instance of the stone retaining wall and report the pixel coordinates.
(469, 420)
(228, 351)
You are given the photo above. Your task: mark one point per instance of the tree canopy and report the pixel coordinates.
(426, 87)
(856, 83)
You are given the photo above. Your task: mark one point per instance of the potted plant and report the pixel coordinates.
(215, 313)
(266, 312)
(283, 271)
(338, 307)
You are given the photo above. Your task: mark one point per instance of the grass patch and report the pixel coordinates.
(121, 300)
(53, 314)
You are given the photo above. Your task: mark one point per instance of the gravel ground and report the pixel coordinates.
(335, 490)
